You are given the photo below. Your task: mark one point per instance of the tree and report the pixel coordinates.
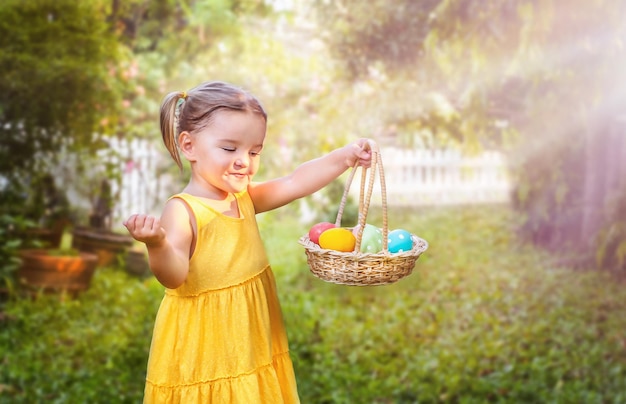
(379, 32)
(74, 73)
(438, 60)
(543, 73)
(60, 93)
(56, 84)
(578, 59)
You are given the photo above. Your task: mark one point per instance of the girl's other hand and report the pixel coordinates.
(145, 228)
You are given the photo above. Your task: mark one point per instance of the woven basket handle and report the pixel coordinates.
(365, 198)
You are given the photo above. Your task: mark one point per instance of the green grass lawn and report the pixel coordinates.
(481, 319)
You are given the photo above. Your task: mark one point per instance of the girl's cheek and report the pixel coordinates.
(255, 167)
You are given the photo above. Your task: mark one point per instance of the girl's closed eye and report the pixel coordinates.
(253, 153)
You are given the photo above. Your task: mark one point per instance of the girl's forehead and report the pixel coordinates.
(237, 125)
(232, 114)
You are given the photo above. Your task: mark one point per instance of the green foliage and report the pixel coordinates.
(549, 191)
(481, 319)
(501, 67)
(92, 349)
(75, 73)
(59, 97)
(56, 85)
(9, 245)
(610, 243)
(365, 34)
(180, 30)
(435, 67)
(566, 160)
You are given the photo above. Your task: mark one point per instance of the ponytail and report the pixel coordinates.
(169, 123)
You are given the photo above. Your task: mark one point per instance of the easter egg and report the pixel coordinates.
(371, 240)
(317, 229)
(338, 239)
(399, 240)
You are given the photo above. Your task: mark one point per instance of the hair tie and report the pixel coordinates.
(184, 96)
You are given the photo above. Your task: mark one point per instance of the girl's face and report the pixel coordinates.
(225, 155)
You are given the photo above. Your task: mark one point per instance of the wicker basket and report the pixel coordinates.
(357, 268)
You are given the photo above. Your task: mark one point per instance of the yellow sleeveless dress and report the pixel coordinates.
(219, 337)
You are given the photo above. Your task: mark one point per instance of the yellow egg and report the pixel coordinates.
(338, 239)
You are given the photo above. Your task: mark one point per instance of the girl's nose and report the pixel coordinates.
(242, 161)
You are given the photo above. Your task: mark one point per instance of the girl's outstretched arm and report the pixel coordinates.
(168, 241)
(309, 177)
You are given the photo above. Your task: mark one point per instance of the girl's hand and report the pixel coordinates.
(360, 152)
(146, 229)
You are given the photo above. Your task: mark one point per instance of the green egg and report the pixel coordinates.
(372, 240)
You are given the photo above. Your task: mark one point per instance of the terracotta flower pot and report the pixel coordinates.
(41, 270)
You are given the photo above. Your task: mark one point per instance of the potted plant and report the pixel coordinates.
(38, 265)
(33, 255)
(98, 237)
(48, 213)
(56, 269)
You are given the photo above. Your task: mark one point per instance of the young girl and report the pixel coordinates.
(219, 335)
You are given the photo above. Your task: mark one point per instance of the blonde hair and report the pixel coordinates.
(193, 111)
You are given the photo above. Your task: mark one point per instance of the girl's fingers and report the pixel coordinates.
(130, 222)
(152, 224)
(138, 222)
(148, 223)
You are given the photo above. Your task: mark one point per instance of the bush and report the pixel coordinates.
(91, 349)
(10, 226)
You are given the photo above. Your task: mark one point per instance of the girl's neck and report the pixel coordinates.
(223, 202)
(213, 194)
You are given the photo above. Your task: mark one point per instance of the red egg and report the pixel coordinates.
(318, 229)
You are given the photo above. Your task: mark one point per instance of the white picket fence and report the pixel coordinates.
(413, 177)
(143, 188)
(441, 176)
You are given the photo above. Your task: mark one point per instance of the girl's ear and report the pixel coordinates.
(185, 142)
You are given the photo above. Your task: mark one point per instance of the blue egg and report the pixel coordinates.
(399, 241)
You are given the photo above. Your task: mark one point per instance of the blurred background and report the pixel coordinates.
(517, 101)
(510, 110)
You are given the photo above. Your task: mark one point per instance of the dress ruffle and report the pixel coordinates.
(270, 384)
